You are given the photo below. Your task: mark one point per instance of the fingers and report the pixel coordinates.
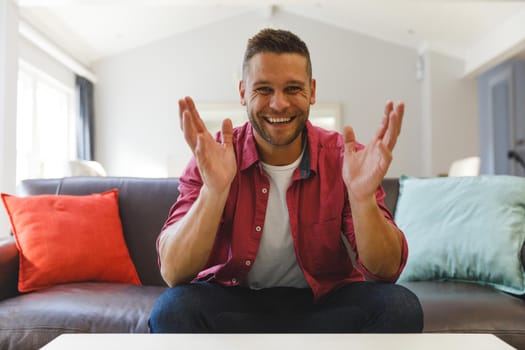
(187, 104)
(394, 121)
(400, 109)
(199, 124)
(389, 106)
(190, 121)
(190, 135)
(227, 132)
(182, 108)
(349, 139)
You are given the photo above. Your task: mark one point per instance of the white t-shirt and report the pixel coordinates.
(276, 263)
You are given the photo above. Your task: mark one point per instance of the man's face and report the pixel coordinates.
(277, 93)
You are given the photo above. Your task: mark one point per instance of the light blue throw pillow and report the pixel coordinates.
(464, 228)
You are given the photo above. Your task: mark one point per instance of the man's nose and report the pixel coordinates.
(279, 101)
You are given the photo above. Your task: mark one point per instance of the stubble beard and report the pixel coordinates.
(259, 129)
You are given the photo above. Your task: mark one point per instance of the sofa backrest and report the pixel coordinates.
(144, 204)
(391, 187)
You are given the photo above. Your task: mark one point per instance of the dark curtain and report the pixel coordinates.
(85, 120)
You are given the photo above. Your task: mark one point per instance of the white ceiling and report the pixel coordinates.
(90, 30)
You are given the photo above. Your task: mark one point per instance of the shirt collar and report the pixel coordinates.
(247, 148)
(309, 162)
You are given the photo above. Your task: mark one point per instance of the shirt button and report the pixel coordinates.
(258, 228)
(264, 190)
(234, 280)
(248, 262)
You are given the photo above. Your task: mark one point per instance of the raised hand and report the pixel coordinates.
(363, 171)
(216, 161)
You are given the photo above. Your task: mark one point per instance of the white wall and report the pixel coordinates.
(137, 128)
(8, 77)
(453, 113)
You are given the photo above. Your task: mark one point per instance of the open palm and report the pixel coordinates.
(216, 161)
(363, 171)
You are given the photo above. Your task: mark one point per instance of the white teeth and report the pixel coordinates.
(279, 120)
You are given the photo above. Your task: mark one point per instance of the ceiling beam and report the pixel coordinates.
(54, 51)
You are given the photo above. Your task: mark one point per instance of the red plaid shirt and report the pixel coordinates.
(318, 207)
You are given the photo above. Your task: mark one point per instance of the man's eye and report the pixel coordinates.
(264, 90)
(293, 89)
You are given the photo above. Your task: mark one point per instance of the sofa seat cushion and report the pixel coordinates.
(462, 307)
(31, 320)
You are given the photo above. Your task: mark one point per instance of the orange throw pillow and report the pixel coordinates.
(63, 239)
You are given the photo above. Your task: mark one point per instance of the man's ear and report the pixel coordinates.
(312, 95)
(242, 90)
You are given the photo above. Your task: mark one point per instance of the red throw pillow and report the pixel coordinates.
(63, 239)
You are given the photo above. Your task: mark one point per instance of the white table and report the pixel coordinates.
(426, 341)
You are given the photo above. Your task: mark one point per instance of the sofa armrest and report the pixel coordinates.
(8, 268)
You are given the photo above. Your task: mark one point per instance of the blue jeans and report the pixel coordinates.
(362, 307)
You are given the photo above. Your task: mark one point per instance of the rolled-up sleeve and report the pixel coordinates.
(350, 233)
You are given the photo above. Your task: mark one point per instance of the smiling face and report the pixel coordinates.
(278, 92)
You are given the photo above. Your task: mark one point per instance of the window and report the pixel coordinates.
(45, 124)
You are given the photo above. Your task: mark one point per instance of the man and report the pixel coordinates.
(256, 239)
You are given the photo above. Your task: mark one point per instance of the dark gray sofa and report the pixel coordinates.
(28, 321)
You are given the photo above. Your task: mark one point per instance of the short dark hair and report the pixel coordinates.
(276, 41)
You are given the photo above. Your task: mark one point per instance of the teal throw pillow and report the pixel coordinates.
(464, 228)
